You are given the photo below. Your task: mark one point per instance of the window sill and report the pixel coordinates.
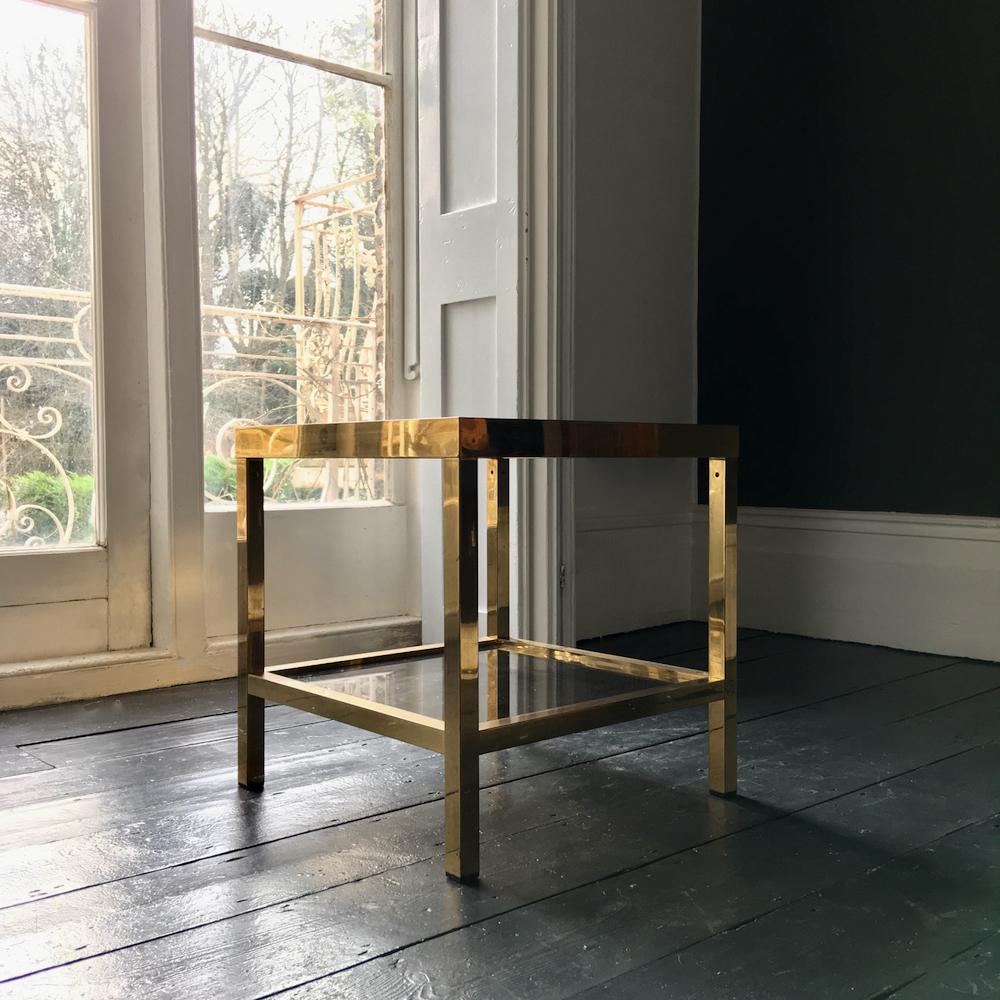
(98, 675)
(211, 509)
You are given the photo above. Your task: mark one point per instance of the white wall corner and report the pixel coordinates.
(921, 582)
(634, 306)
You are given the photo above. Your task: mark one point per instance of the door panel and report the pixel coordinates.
(468, 86)
(468, 357)
(468, 60)
(43, 631)
(47, 576)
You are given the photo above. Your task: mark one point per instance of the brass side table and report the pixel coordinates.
(460, 442)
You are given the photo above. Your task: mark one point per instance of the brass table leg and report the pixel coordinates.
(461, 668)
(498, 583)
(722, 623)
(250, 617)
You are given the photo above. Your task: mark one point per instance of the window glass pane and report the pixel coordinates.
(291, 229)
(46, 324)
(343, 31)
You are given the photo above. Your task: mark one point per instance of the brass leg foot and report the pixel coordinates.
(463, 880)
(722, 747)
(250, 743)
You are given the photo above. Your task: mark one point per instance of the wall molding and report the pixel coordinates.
(910, 581)
(975, 529)
(588, 521)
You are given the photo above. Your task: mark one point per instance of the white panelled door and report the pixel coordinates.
(469, 86)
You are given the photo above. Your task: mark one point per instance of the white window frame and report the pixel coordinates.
(357, 591)
(361, 572)
(56, 602)
(388, 81)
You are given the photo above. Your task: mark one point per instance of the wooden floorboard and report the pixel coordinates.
(872, 934)
(595, 934)
(78, 750)
(15, 761)
(658, 643)
(124, 711)
(172, 807)
(972, 972)
(131, 865)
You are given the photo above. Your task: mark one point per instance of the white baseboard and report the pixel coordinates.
(921, 582)
(97, 675)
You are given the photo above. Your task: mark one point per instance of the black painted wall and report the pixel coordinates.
(849, 250)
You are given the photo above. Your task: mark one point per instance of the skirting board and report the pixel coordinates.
(97, 675)
(921, 582)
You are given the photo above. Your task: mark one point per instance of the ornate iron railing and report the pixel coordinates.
(46, 399)
(276, 368)
(258, 366)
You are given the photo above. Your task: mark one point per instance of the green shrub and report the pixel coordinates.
(220, 478)
(45, 489)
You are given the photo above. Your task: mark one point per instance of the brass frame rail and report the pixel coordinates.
(461, 737)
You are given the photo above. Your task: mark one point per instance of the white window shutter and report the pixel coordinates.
(470, 227)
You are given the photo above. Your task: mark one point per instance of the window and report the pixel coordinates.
(165, 277)
(47, 370)
(290, 105)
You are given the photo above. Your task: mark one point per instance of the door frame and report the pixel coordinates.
(546, 529)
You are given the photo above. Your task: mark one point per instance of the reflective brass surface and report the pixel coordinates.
(722, 623)
(604, 661)
(352, 661)
(459, 489)
(498, 581)
(531, 727)
(386, 720)
(487, 437)
(460, 735)
(250, 619)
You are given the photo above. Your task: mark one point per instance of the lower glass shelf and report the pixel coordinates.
(528, 691)
(536, 683)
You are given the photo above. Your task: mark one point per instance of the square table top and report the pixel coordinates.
(488, 437)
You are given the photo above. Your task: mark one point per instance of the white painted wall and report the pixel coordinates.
(635, 244)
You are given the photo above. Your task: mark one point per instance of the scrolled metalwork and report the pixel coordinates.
(321, 362)
(41, 376)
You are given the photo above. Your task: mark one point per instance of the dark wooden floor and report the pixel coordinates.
(861, 859)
